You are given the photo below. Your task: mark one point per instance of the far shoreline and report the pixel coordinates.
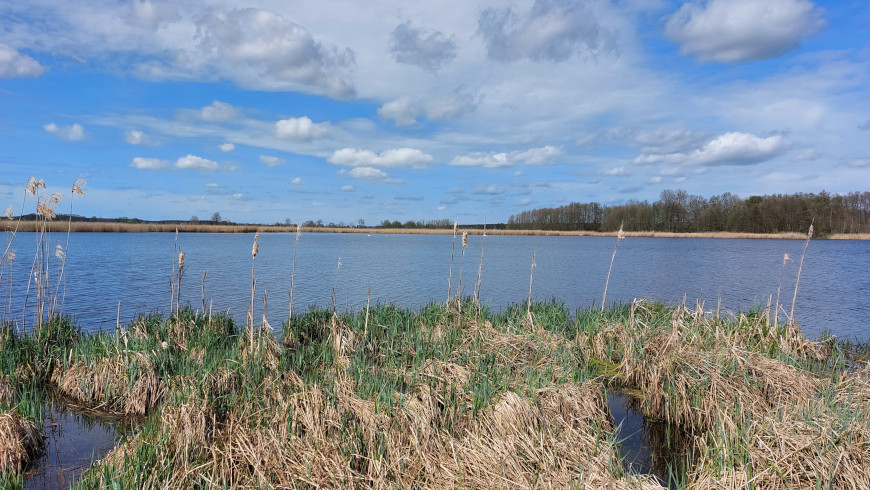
(104, 227)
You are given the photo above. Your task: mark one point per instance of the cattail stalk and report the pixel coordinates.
(800, 268)
(778, 289)
(452, 251)
(531, 277)
(480, 268)
(461, 261)
(620, 236)
(293, 271)
(254, 251)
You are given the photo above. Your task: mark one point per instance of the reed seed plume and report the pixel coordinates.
(256, 248)
(8, 213)
(78, 185)
(43, 209)
(620, 236)
(800, 268)
(58, 252)
(54, 200)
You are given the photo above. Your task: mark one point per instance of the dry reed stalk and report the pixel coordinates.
(20, 441)
(178, 280)
(798, 279)
(255, 249)
(778, 289)
(461, 261)
(480, 268)
(202, 290)
(620, 236)
(7, 391)
(529, 303)
(335, 287)
(77, 186)
(293, 271)
(452, 251)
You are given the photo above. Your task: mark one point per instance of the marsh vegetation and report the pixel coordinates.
(451, 395)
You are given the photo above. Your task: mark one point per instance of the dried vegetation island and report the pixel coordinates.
(450, 396)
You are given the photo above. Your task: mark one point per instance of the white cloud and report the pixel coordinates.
(405, 110)
(412, 46)
(261, 49)
(136, 137)
(534, 156)
(296, 180)
(149, 163)
(553, 30)
(270, 160)
(219, 112)
(655, 179)
(196, 163)
(347, 188)
(367, 173)
(809, 155)
(727, 149)
(614, 171)
(300, 129)
(70, 133)
(16, 65)
(489, 190)
(398, 157)
(523, 202)
(227, 147)
(742, 30)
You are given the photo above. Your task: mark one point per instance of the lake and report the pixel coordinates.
(411, 271)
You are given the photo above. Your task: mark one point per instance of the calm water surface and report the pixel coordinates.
(412, 271)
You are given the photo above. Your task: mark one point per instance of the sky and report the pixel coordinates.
(343, 111)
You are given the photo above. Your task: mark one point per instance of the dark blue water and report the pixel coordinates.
(412, 270)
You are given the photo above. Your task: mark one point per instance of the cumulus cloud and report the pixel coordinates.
(735, 31)
(219, 112)
(404, 111)
(227, 147)
(261, 49)
(270, 160)
(153, 14)
(413, 46)
(534, 156)
(399, 157)
(489, 190)
(70, 133)
(523, 202)
(196, 163)
(16, 65)
(347, 188)
(727, 149)
(666, 140)
(300, 129)
(553, 30)
(149, 163)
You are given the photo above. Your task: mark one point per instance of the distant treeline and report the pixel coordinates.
(680, 212)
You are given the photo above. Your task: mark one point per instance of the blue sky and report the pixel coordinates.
(342, 110)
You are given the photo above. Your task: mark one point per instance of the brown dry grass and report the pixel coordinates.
(7, 391)
(20, 440)
(123, 384)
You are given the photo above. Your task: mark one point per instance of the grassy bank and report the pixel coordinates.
(387, 398)
(94, 227)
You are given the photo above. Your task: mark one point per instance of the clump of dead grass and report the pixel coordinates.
(20, 440)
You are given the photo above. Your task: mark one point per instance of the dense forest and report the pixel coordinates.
(678, 211)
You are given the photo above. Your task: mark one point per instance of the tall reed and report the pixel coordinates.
(480, 268)
(531, 277)
(778, 289)
(452, 251)
(77, 189)
(800, 268)
(461, 261)
(255, 249)
(293, 270)
(620, 236)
